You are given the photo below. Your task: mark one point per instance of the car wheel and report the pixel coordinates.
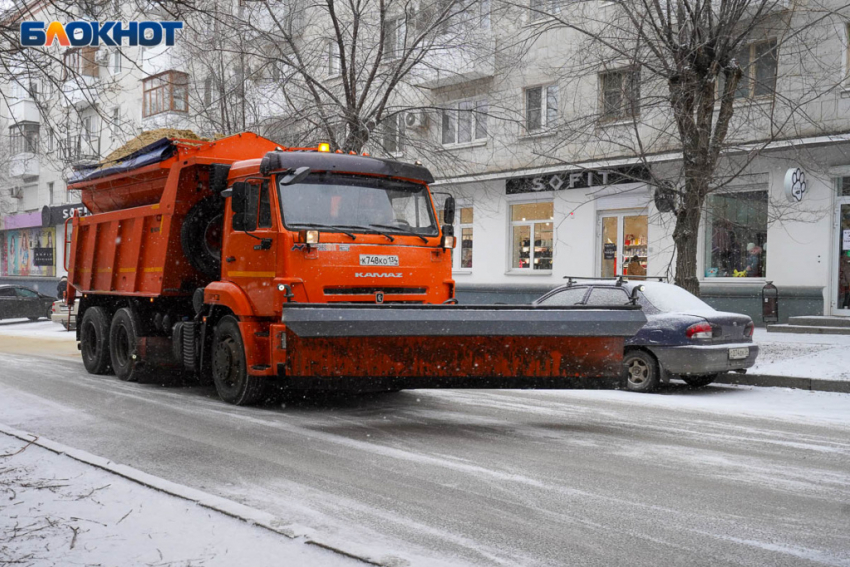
(641, 371)
(124, 334)
(94, 341)
(699, 381)
(230, 373)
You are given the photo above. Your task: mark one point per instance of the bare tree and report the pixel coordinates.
(302, 71)
(695, 79)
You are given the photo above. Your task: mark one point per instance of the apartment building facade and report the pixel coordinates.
(540, 151)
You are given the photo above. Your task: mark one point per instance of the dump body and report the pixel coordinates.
(131, 244)
(241, 263)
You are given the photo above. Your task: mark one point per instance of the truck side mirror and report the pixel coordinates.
(449, 211)
(239, 197)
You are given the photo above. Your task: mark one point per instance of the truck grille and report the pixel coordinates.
(374, 290)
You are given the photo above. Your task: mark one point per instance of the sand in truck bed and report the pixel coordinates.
(149, 137)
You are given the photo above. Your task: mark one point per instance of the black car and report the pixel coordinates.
(17, 302)
(684, 337)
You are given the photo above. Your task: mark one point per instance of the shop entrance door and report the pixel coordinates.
(841, 267)
(623, 242)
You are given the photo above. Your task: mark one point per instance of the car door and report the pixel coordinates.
(29, 303)
(8, 303)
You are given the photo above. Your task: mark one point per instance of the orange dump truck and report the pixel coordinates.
(244, 263)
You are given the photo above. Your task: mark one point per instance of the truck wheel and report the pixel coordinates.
(94, 341)
(699, 381)
(123, 338)
(230, 373)
(201, 235)
(641, 371)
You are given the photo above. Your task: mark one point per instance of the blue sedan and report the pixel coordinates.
(684, 337)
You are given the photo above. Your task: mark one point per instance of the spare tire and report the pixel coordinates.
(201, 236)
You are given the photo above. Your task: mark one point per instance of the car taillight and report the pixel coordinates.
(699, 331)
(749, 329)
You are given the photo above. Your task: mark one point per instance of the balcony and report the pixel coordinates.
(80, 149)
(458, 64)
(24, 110)
(80, 92)
(24, 166)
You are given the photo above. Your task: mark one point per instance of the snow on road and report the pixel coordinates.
(41, 329)
(57, 511)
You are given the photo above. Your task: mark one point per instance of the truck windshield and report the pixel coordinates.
(358, 203)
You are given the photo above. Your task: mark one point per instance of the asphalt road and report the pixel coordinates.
(486, 477)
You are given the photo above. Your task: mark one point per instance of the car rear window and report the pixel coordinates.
(669, 298)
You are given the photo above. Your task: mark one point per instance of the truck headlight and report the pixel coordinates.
(310, 236)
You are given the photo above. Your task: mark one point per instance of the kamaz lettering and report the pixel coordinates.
(376, 275)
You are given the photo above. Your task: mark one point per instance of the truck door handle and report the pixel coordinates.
(230, 259)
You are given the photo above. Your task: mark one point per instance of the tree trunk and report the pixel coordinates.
(686, 232)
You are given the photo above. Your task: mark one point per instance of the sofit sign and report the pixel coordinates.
(82, 34)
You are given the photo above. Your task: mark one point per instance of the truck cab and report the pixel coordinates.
(344, 229)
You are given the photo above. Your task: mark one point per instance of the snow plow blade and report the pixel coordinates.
(451, 346)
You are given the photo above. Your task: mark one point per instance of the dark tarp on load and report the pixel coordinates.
(152, 153)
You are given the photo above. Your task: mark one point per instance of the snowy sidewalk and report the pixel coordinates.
(55, 510)
(813, 362)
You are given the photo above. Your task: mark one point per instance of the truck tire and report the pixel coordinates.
(200, 236)
(94, 341)
(641, 371)
(230, 371)
(124, 333)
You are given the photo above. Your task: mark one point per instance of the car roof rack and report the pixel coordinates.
(618, 280)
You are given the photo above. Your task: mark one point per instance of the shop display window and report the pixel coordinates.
(532, 236)
(736, 235)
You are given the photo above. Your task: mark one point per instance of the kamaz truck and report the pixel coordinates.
(244, 263)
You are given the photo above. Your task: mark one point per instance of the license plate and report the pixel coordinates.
(376, 260)
(738, 353)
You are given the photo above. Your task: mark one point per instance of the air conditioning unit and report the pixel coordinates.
(101, 56)
(17, 193)
(415, 119)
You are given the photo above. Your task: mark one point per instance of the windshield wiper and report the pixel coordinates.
(368, 229)
(335, 228)
(401, 229)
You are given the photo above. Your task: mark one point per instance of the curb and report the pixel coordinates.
(223, 505)
(766, 380)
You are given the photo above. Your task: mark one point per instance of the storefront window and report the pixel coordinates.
(532, 236)
(736, 235)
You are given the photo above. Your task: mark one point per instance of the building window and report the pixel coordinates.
(541, 107)
(114, 121)
(208, 85)
(394, 36)
(81, 62)
(115, 62)
(165, 92)
(50, 196)
(23, 138)
(758, 61)
(847, 56)
(620, 94)
(736, 235)
(532, 236)
(464, 122)
(394, 134)
(540, 9)
(333, 59)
